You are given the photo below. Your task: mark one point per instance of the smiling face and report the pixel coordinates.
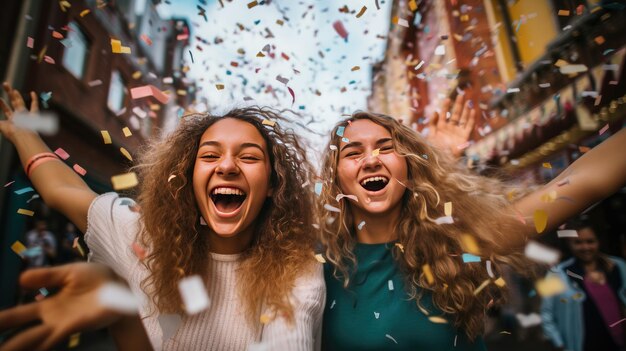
(585, 247)
(231, 178)
(372, 178)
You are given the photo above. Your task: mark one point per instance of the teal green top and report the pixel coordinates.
(373, 314)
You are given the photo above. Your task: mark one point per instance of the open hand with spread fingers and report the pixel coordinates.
(16, 104)
(450, 133)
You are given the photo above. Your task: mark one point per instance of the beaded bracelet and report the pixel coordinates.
(38, 159)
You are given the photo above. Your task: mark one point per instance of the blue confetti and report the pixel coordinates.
(340, 131)
(345, 140)
(467, 258)
(24, 190)
(318, 188)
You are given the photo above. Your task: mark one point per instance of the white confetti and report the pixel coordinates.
(391, 338)
(193, 293)
(528, 320)
(541, 253)
(44, 122)
(331, 208)
(169, 324)
(574, 275)
(569, 69)
(118, 298)
(489, 271)
(351, 197)
(376, 314)
(568, 233)
(360, 226)
(333, 304)
(440, 50)
(390, 284)
(444, 220)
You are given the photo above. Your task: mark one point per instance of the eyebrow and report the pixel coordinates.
(358, 143)
(242, 146)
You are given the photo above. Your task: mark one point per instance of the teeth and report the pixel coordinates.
(227, 191)
(373, 179)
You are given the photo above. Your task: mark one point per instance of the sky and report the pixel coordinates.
(310, 57)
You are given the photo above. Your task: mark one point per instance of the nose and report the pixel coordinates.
(371, 162)
(227, 167)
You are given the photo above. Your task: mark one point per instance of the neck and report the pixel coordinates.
(379, 228)
(235, 244)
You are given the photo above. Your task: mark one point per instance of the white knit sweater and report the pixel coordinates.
(111, 230)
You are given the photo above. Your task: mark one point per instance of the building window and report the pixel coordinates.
(75, 54)
(117, 92)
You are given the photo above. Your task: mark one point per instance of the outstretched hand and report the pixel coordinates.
(74, 308)
(450, 134)
(16, 104)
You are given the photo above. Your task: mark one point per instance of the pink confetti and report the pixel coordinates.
(80, 170)
(341, 30)
(618, 322)
(149, 90)
(62, 153)
(9, 183)
(49, 60)
(604, 129)
(293, 95)
(30, 42)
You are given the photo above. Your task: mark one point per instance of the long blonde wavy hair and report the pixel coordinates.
(282, 248)
(481, 211)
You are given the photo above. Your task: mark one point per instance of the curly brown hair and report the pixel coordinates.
(282, 248)
(481, 210)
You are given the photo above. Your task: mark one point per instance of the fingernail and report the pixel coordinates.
(470, 103)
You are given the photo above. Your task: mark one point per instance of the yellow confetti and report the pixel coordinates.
(320, 258)
(219, 86)
(500, 282)
(563, 13)
(437, 319)
(124, 181)
(18, 247)
(428, 273)
(260, 54)
(280, 22)
(172, 176)
(541, 220)
(64, 5)
(268, 122)
(355, 68)
(84, 13)
(547, 165)
(25, 212)
(464, 18)
(400, 246)
(447, 208)
(469, 244)
(126, 153)
(549, 197)
(117, 48)
(106, 136)
(74, 340)
(127, 132)
(375, 152)
(482, 286)
(265, 319)
(424, 311)
(358, 15)
(412, 5)
(252, 4)
(136, 74)
(549, 286)
(561, 63)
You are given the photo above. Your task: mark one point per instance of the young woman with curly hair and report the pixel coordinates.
(395, 271)
(221, 197)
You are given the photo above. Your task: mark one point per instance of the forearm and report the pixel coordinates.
(129, 334)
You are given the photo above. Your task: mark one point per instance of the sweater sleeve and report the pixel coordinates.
(548, 324)
(309, 296)
(111, 230)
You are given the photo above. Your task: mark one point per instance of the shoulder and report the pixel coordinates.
(310, 284)
(619, 262)
(112, 209)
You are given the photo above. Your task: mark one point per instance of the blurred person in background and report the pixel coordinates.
(41, 244)
(587, 315)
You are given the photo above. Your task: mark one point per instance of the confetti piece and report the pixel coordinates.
(293, 95)
(117, 48)
(94, 83)
(282, 79)
(547, 165)
(169, 324)
(568, 233)
(30, 42)
(540, 218)
(360, 226)
(390, 284)
(149, 90)
(219, 86)
(574, 275)
(469, 258)
(78, 169)
(62, 154)
(500, 282)
(428, 273)
(355, 68)
(351, 197)
(550, 286)
(440, 50)
(571, 69)
(444, 220)
(387, 335)
(340, 130)
(25, 212)
(9, 183)
(376, 315)
(341, 30)
(84, 13)
(252, 4)
(603, 130)
(331, 208)
(25, 190)
(126, 153)
(74, 340)
(468, 243)
(64, 5)
(118, 298)
(616, 323)
(447, 208)
(599, 40)
(18, 247)
(318, 188)
(106, 136)
(43, 122)
(265, 319)
(193, 293)
(361, 12)
(401, 247)
(489, 269)
(320, 258)
(563, 13)
(528, 320)
(482, 286)
(541, 253)
(345, 140)
(124, 181)
(403, 23)
(76, 245)
(375, 152)
(437, 319)
(57, 35)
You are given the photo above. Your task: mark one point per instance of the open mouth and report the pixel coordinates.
(374, 183)
(227, 199)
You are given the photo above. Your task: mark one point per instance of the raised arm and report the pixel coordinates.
(59, 186)
(594, 176)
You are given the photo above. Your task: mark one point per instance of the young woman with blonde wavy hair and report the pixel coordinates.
(403, 216)
(221, 197)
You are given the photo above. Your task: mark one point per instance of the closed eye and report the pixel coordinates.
(209, 156)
